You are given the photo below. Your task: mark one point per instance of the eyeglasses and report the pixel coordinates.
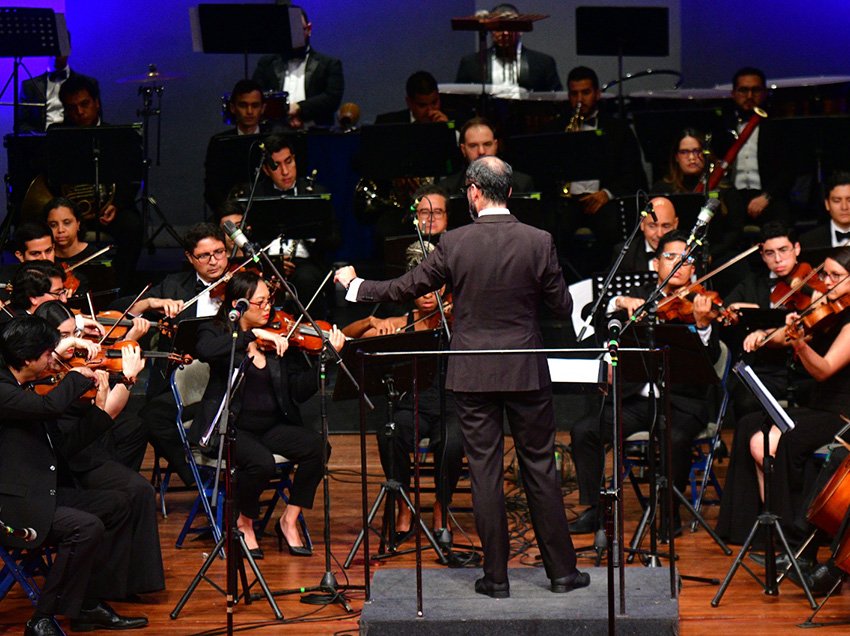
(437, 213)
(835, 278)
(261, 304)
(782, 251)
(466, 187)
(206, 256)
(59, 294)
(684, 152)
(673, 256)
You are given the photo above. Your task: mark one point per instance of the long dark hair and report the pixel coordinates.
(242, 285)
(675, 176)
(54, 312)
(840, 255)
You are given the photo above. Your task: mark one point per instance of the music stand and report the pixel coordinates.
(246, 28)
(768, 520)
(621, 31)
(391, 376)
(388, 151)
(395, 252)
(554, 157)
(301, 217)
(527, 207)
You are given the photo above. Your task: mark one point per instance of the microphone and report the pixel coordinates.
(614, 329)
(267, 158)
(649, 210)
(706, 213)
(242, 305)
(238, 237)
(27, 534)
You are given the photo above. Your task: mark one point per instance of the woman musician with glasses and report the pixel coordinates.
(264, 407)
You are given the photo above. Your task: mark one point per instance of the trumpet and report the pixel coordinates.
(576, 120)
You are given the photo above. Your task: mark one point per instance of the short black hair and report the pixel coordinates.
(493, 177)
(777, 229)
(243, 285)
(476, 121)
(76, 83)
(32, 280)
(839, 178)
(26, 338)
(748, 70)
(30, 231)
(278, 141)
(583, 73)
(54, 312)
(428, 189)
(420, 83)
(245, 86)
(671, 237)
(199, 232)
(228, 208)
(59, 202)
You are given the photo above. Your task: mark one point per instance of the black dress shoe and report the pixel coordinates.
(257, 553)
(569, 583)
(820, 579)
(104, 617)
(586, 523)
(493, 590)
(43, 627)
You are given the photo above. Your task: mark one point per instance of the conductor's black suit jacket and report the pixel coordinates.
(499, 270)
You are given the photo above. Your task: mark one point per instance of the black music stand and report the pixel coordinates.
(301, 217)
(389, 151)
(621, 31)
(246, 28)
(94, 155)
(527, 207)
(558, 157)
(767, 519)
(391, 377)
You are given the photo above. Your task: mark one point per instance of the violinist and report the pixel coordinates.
(448, 458)
(825, 354)
(689, 404)
(264, 408)
(63, 218)
(112, 462)
(780, 251)
(88, 528)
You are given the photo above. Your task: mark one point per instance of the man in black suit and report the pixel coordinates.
(423, 102)
(641, 254)
(498, 257)
(688, 402)
(44, 89)
(837, 232)
(509, 62)
(314, 81)
(34, 492)
(478, 139)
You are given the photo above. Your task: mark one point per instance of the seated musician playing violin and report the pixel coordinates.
(782, 284)
(63, 218)
(448, 458)
(689, 404)
(823, 347)
(264, 408)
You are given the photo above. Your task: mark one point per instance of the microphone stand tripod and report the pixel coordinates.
(332, 591)
(234, 564)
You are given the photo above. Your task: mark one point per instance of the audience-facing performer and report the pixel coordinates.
(265, 408)
(448, 457)
(88, 528)
(313, 80)
(825, 354)
(499, 257)
(509, 62)
(689, 403)
(641, 254)
(837, 232)
(63, 218)
(423, 102)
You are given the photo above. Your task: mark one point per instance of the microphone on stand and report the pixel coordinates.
(27, 534)
(238, 310)
(614, 329)
(267, 158)
(649, 210)
(238, 237)
(706, 213)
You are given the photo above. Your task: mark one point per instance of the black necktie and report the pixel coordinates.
(840, 237)
(58, 76)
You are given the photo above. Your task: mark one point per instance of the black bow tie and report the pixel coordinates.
(200, 286)
(840, 237)
(590, 121)
(58, 76)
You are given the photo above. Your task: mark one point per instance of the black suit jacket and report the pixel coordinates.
(323, 84)
(496, 259)
(538, 71)
(35, 90)
(293, 383)
(454, 182)
(817, 238)
(636, 258)
(29, 458)
(395, 117)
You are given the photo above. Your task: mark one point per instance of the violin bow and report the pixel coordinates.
(307, 306)
(423, 318)
(126, 311)
(90, 258)
(798, 286)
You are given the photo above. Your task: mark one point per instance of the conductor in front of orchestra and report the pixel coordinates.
(497, 257)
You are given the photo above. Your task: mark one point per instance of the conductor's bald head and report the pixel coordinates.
(493, 178)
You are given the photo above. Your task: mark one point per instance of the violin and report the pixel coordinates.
(304, 336)
(233, 267)
(109, 358)
(72, 283)
(46, 384)
(433, 320)
(818, 316)
(795, 290)
(681, 306)
(122, 325)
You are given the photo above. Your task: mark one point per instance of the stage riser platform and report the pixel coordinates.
(451, 606)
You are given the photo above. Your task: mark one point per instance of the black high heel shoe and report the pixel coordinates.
(294, 550)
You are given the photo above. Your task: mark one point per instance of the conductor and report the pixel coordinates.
(497, 257)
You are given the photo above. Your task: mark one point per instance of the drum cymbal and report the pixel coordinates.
(150, 77)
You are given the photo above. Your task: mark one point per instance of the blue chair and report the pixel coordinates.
(22, 566)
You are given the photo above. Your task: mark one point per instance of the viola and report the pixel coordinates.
(795, 290)
(304, 336)
(681, 306)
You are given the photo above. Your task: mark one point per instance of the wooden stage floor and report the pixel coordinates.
(744, 609)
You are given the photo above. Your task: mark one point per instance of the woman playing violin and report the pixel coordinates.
(264, 406)
(825, 354)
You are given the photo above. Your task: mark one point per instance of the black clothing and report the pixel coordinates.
(819, 237)
(538, 71)
(32, 118)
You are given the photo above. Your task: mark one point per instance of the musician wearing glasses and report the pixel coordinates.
(641, 255)
(823, 348)
(689, 403)
(837, 232)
